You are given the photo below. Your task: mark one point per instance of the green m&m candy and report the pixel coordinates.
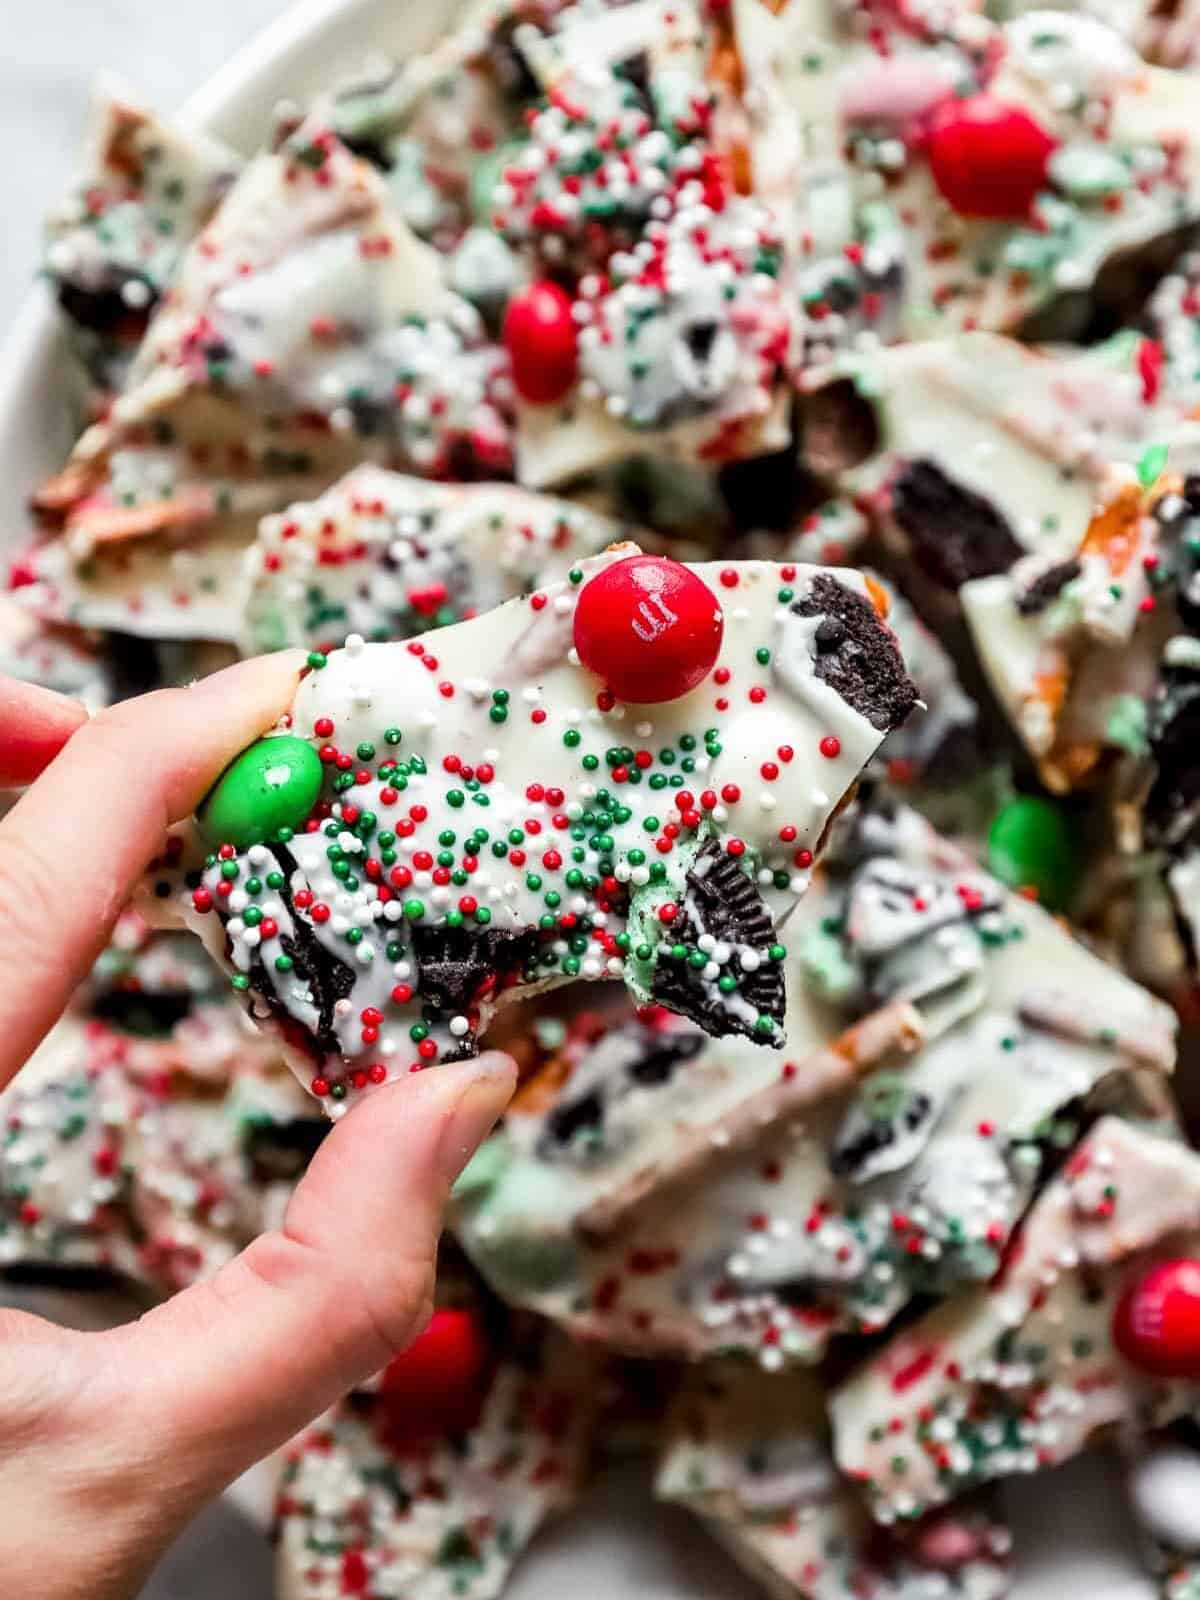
(1033, 844)
(272, 785)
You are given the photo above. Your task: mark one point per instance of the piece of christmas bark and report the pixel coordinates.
(387, 556)
(1087, 1328)
(138, 1157)
(1090, 653)
(945, 173)
(971, 453)
(308, 329)
(653, 318)
(114, 244)
(666, 1193)
(457, 819)
(430, 1485)
(750, 1454)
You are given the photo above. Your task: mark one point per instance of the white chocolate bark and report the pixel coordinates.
(750, 1455)
(502, 697)
(665, 1194)
(387, 556)
(308, 329)
(132, 1154)
(1023, 1374)
(426, 1523)
(113, 245)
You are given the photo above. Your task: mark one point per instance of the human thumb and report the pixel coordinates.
(229, 1370)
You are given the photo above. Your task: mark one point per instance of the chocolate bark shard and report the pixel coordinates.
(720, 902)
(455, 964)
(1023, 1374)
(856, 654)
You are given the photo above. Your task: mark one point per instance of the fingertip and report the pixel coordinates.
(35, 724)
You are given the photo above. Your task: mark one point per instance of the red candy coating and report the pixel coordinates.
(988, 158)
(1156, 1325)
(539, 334)
(436, 1386)
(649, 627)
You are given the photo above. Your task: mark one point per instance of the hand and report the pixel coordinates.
(109, 1442)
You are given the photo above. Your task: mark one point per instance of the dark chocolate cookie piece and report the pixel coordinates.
(279, 1152)
(455, 964)
(956, 534)
(857, 654)
(1047, 587)
(722, 901)
(884, 1129)
(1173, 728)
(839, 428)
(327, 978)
(96, 301)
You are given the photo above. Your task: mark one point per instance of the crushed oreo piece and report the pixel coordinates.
(856, 654)
(1047, 587)
(573, 1116)
(327, 978)
(722, 901)
(840, 428)
(667, 1052)
(99, 303)
(137, 1011)
(279, 1152)
(454, 964)
(956, 534)
(884, 1129)
(1173, 729)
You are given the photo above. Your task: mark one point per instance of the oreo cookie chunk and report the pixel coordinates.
(724, 969)
(1172, 806)
(597, 1116)
(855, 656)
(955, 534)
(887, 1126)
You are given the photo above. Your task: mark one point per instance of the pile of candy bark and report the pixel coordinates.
(871, 1188)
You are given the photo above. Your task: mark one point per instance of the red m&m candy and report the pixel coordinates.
(539, 334)
(649, 627)
(988, 158)
(1156, 1325)
(437, 1385)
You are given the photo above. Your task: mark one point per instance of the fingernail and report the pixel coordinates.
(475, 1112)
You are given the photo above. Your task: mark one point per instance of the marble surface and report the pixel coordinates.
(161, 49)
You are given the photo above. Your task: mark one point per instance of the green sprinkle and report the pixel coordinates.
(1151, 463)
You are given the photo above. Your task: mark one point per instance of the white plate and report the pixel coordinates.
(1072, 1528)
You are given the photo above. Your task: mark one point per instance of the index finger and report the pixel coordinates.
(73, 847)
